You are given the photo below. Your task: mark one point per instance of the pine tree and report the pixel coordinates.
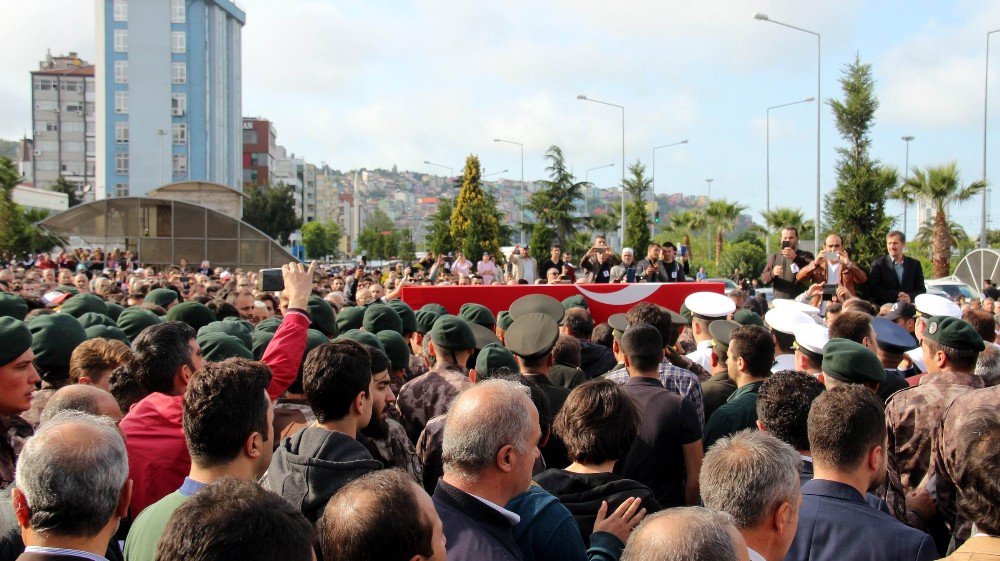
(637, 187)
(856, 208)
(555, 204)
(474, 223)
(439, 240)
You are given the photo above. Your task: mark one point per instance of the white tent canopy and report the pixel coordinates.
(979, 265)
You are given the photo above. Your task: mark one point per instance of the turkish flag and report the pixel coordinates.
(604, 299)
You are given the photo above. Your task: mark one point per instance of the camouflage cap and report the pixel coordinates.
(852, 362)
(953, 332)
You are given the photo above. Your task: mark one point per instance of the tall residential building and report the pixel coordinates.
(62, 118)
(168, 86)
(260, 151)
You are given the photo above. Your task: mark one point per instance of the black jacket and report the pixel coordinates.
(473, 530)
(595, 359)
(883, 285)
(313, 464)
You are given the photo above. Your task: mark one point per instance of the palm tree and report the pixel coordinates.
(779, 217)
(687, 221)
(923, 242)
(905, 196)
(941, 187)
(723, 215)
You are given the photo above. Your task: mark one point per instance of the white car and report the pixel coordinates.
(951, 288)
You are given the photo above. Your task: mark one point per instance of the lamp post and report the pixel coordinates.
(767, 161)
(163, 134)
(764, 17)
(986, 104)
(451, 171)
(709, 182)
(495, 173)
(906, 176)
(653, 173)
(524, 187)
(586, 174)
(585, 98)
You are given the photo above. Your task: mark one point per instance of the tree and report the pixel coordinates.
(439, 238)
(747, 256)
(779, 217)
(856, 208)
(923, 243)
(475, 226)
(379, 238)
(723, 215)
(272, 211)
(555, 203)
(18, 233)
(941, 187)
(636, 218)
(407, 247)
(320, 239)
(686, 222)
(63, 186)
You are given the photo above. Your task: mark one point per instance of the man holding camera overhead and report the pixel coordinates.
(598, 260)
(835, 271)
(782, 267)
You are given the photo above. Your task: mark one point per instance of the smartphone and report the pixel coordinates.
(831, 256)
(185, 279)
(630, 275)
(785, 243)
(270, 280)
(829, 291)
(599, 250)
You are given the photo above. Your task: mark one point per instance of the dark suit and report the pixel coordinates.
(883, 285)
(835, 523)
(474, 530)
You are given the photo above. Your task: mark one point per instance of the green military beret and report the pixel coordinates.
(721, 331)
(537, 303)
(322, 316)
(379, 317)
(133, 320)
(748, 317)
(269, 325)
(91, 319)
(351, 317)
(107, 332)
(259, 342)
(425, 320)
(395, 348)
(953, 332)
(53, 338)
(195, 314)
(454, 333)
(483, 336)
(162, 297)
(16, 339)
(618, 323)
(575, 301)
(68, 289)
(493, 357)
(504, 320)
(406, 314)
(436, 308)
(80, 304)
(240, 321)
(12, 305)
(114, 310)
(852, 362)
(363, 337)
(234, 328)
(217, 346)
(477, 313)
(532, 335)
(314, 338)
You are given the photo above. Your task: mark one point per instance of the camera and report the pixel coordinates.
(270, 280)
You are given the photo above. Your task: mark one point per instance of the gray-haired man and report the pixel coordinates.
(690, 533)
(72, 488)
(754, 477)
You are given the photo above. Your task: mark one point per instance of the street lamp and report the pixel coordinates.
(709, 181)
(495, 173)
(163, 135)
(586, 174)
(653, 173)
(524, 188)
(451, 171)
(763, 17)
(585, 98)
(906, 176)
(986, 90)
(767, 158)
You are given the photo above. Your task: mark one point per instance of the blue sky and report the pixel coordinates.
(377, 83)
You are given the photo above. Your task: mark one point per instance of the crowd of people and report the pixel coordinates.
(184, 413)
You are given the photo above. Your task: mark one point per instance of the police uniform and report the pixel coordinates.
(710, 306)
(783, 319)
(717, 389)
(896, 340)
(430, 395)
(929, 305)
(912, 414)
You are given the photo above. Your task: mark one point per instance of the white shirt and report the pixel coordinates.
(916, 356)
(511, 517)
(783, 362)
(754, 556)
(833, 273)
(703, 355)
(64, 551)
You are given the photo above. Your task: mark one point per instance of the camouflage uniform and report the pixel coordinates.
(395, 451)
(429, 448)
(949, 441)
(430, 395)
(910, 418)
(417, 366)
(13, 432)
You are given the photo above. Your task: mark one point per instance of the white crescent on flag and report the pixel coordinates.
(629, 294)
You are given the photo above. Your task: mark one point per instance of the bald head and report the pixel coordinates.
(686, 534)
(84, 399)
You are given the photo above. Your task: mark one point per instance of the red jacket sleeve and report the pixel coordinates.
(284, 353)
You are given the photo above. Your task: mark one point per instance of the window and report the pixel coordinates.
(178, 72)
(121, 189)
(121, 132)
(121, 40)
(45, 84)
(90, 108)
(72, 107)
(177, 42)
(121, 102)
(46, 105)
(121, 10)
(51, 127)
(176, 11)
(249, 137)
(121, 163)
(89, 84)
(121, 71)
(179, 103)
(180, 163)
(180, 134)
